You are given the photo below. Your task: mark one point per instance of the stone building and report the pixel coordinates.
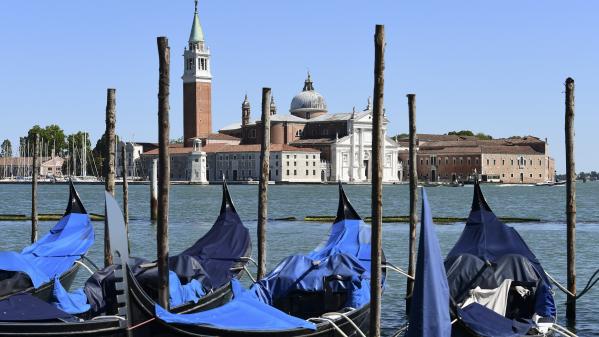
(457, 158)
(187, 163)
(343, 139)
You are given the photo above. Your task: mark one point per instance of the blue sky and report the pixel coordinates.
(495, 67)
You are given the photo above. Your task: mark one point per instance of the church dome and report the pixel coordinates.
(308, 103)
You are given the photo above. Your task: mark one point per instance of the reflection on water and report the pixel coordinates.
(194, 208)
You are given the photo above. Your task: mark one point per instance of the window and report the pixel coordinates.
(461, 160)
(530, 162)
(295, 156)
(314, 163)
(307, 164)
(446, 160)
(494, 163)
(502, 161)
(287, 156)
(531, 175)
(313, 156)
(276, 172)
(540, 162)
(488, 162)
(307, 172)
(294, 163)
(294, 172)
(287, 172)
(421, 161)
(512, 164)
(512, 175)
(503, 175)
(540, 175)
(454, 161)
(476, 161)
(468, 160)
(313, 172)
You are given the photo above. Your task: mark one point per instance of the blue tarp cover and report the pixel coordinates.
(243, 312)
(429, 309)
(182, 293)
(74, 302)
(54, 253)
(25, 307)
(488, 323)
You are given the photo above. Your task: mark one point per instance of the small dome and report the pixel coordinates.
(308, 103)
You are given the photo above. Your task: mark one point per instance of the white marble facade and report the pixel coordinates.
(351, 155)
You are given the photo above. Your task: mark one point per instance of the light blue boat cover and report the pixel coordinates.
(180, 294)
(54, 253)
(74, 302)
(429, 309)
(243, 312)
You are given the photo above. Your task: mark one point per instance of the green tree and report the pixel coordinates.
(98, 153)
(52, 135)
(401, 136)
(74, 152)
(483, 136)
(461, 133)
(6, 148)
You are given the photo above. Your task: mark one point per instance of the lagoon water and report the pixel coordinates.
(193, 210)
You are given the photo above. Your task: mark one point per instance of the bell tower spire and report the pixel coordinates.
(197, 84)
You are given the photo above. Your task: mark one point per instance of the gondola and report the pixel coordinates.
(304, 295)
(105, 292)
(57, 253)
(219, 256)
(26, 315)
(497, 285)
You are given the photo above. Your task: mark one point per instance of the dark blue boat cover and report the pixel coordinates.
(429, 308)
(340, 264)
(244, 312)
(488, 323)
(54, 253)
(488, 252)
(213, 258)
(25, 307)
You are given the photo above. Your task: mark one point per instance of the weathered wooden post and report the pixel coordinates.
(413, 197)
(154, 190)
(34, 174)
(377, 182)
(125, 186)
(263, 187)
(570, 200)
(164, 170)
(109, 158)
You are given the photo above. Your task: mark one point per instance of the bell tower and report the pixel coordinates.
(197, 85)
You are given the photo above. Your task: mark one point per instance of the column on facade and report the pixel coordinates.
(362, 172)
(352, 154)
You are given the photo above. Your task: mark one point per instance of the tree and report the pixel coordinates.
(6, 148)
(469, 133)
(52, 135)
(98, 153)
(401, 136)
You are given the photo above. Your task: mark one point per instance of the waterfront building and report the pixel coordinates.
(332, 146)
(343, 139)
(448, 158)
(12, 167)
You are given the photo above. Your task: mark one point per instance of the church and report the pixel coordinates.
(308, 145)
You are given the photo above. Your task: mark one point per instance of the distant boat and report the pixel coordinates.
(551, 183)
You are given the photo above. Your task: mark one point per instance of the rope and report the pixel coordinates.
(593, 280)
(84, 266)
(330, 321)
(140, 324)
(90, 261)
(388, 265)
(249, 274)
(108, 316)
(561, 330)
(400, 331)
(348, 319)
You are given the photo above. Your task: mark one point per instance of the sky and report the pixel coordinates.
(496, 67)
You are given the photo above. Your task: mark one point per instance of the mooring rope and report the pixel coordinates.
(593, 280)
(330, 321)
(390, 266)
(329, 314)
(84, 266)
(561, 330)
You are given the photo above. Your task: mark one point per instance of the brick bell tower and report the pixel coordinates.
(197, 85)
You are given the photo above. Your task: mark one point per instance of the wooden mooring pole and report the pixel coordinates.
(570, 200)
(263, 186)
(125, 186)
(34, 174)
(377, 182)
(413, 162)
(163, 170)
(109, 158)
(154, 191)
